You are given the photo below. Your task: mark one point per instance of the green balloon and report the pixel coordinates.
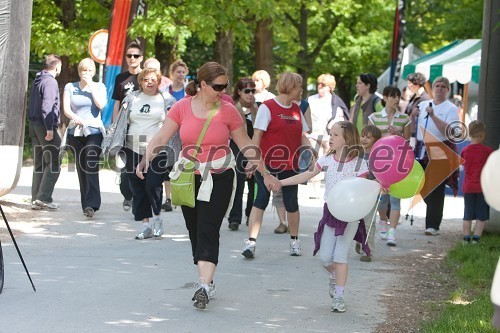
(411, 185)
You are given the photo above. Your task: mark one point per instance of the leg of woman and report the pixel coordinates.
(77, 147)
(250, 196)
(434, 212)
(259, 206)
(90, 161)
(209, 220)
(290, 200)
(154, 188)
(142, 207)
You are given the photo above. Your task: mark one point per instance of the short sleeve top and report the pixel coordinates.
(336, 171)
(215, 143)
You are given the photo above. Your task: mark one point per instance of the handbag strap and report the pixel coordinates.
(203, 131)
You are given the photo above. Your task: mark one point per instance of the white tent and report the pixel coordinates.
(458, 61)
(410, 53)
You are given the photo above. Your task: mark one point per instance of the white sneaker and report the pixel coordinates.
(249, 249)
(46, 205)
(383, 228)
(157, 226)
(211, 290)
(145, 233)
(431, 232)
(295, 249)
(391, 237)
(338, 304)
(331, 286)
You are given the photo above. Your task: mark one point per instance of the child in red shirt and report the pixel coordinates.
(475, 207)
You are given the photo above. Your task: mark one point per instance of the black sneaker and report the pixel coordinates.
(167, 206)
(200, 298)
(233, 226)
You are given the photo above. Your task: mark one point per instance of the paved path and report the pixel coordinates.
(92, 276)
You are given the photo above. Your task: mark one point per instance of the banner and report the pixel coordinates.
(398, 44)
(122, 15)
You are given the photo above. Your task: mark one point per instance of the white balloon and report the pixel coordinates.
(490, 180)
(352, 198)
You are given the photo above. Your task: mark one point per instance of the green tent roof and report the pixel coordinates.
(459, 61)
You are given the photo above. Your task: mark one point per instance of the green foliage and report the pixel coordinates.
(470, 308)
(66, 31)
(432, 24)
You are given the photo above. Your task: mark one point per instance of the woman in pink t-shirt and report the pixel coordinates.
(216, 162)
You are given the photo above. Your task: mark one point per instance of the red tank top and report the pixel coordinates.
(280, 143)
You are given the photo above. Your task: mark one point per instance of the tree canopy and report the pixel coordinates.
(341, 37)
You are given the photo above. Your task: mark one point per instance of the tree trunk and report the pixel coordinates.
(68, 73)
(165, 52)
(264, 49)
(344, 90)
(489, 100)
(223, 52)
(303, 59)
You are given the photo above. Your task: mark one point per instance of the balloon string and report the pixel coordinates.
(373, 218)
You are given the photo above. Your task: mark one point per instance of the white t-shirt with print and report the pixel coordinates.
(336, 171)
(146, 118)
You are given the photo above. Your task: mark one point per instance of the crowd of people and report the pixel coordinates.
(271, 143)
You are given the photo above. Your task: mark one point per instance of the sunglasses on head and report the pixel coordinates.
(136, 56)
(248, 91)
(218, 87)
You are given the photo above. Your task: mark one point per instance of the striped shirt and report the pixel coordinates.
(380, 119)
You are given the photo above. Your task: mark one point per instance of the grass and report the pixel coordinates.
(469, 308)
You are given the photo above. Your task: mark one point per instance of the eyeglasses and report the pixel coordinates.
(248, 91)
(218, 87)
(149, 79)
(136, 56)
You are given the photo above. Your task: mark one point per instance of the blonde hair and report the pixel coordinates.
(351, 137)
(175, 64)
(328, 80)
(476, 129)
(146, 71)
(263, 76)
(86, 63)
(287, 82)
(152, 63)
(441, 79)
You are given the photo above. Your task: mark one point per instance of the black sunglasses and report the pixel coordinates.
(137, 56)
(218, 87)
(248, 91)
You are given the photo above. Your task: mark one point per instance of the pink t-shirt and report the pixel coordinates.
(215, 143)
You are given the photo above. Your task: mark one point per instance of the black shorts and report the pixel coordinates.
(166, 177)
(475, 207)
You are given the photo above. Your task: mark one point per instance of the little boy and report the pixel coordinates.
(475, 207)
(369, 135)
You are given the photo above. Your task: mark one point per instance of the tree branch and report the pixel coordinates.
(321, 42)
(294, 22)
